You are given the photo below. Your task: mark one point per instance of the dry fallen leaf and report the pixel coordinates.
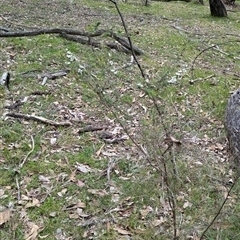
(44, 179)
(81, 204)
(99, 192)
(63, 192)
(4, 216)
(73, 216)
(144, 212)
(187, 204)
(53, 214)
(1, 193)
(72, 176)
(35, 203)
(33, 234)
(83, 168)
(80, 213)
(80, 183)
(158, 222)
(100, 150)
(122, 231)
(53, 141)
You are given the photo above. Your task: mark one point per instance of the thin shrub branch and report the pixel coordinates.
(219, 210)
(171, 197)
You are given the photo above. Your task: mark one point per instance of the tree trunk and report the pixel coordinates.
(217, 8)
(232, 125)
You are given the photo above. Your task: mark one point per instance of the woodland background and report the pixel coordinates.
(95, 145)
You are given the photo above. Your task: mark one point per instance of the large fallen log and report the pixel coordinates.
(232, 125)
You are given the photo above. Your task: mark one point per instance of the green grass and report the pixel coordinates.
(176, 38)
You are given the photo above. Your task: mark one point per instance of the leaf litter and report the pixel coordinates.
(105, 148)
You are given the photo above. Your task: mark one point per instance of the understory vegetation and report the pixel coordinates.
(107, 153)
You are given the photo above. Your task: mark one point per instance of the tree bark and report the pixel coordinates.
(217, 8)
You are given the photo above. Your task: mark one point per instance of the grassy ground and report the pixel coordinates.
(170, 172)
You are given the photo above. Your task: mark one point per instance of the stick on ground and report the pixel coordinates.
(39, 119)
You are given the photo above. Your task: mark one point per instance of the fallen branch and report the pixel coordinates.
(49, 75)
(4, 29)
(15, 105)
(51, 31)
(111, 164)
(90, 129)
(127, 45)
(131, 47)
(89, 41)
(110, 138)
(180, 29)
(18, 189)
(29, 153)
(201, 79)
(39, 119)
(71, 34)
(39, 93)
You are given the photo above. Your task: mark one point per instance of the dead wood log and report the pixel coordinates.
(51, 31)
(126, 44)
(4, 29)
(232, 125)
(70, 34)
(87, 41)
(96, 44)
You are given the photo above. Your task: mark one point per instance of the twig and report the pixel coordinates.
(26, 157)
(180, 29)
(204, 50)
(18, 189)
(15, 105)
(129, 39)
(215, 47)
(219, 210)
(201, 79)
(15, 23)
(138, 64)
(147, 93)
(140, 148)
(171, 197)
(114, 70)
(111, 164)
(39, 119)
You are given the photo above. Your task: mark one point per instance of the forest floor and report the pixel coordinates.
(102, 152)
